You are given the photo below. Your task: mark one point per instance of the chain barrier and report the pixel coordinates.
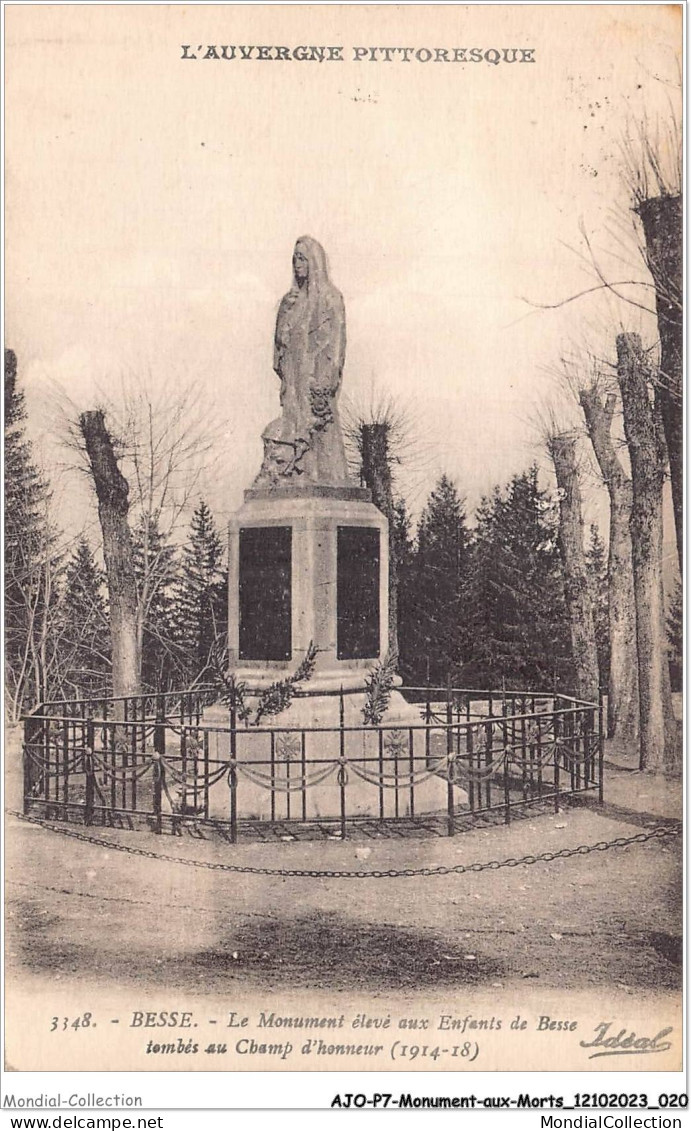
(59, 768)
(292, 785)
(483, 771)
(548, 756)
(658, 833)
(124, 778)
(403, 779)
(515, 753)
(164, 787)
(199, 780)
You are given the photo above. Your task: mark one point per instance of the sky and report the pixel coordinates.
(153, 204)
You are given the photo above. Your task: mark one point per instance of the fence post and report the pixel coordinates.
(272, 757)
(206, 774)
(342, 767)
(89, 787)
(471, 764)
(570, 729)
(537, 748)
(428, 718)
(590, 748)
(233, 783)
(556, 762)
(380, 747)
(303, 770)
(183, 768)
(158, 794)
(66, 760)
(505, 739)
(46, 760)
(451, 822)
(507, 792)
(26, 766)
(601, 745)
(160, 749)
(233, 778)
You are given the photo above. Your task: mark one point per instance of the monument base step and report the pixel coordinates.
(392, 771)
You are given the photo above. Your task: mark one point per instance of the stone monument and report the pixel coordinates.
(308, 554)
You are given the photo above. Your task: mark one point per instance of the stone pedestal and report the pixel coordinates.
(318, 533)
(309, 564)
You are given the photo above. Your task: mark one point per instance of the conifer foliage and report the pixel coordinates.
(31, 562)
(596, 561)
(434, 635)
(84, 644)
(201, 596)
(155, 567)
(485, 605)
(519, 627)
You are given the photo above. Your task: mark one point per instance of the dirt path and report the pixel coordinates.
(607, 919)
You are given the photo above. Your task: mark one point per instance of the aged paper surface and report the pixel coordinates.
(462, 165)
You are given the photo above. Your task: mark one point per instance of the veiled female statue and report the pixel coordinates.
(305, 443)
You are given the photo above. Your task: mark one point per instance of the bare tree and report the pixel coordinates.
(375, 445)
(562, 449)
(166, 441)
(646, 444)
(380, 438)
(112, 492)
(622, 701)
(32, 673)
(662, 221)
(654, 171)
(145, 466)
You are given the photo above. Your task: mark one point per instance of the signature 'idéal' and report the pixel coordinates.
(624, 1042)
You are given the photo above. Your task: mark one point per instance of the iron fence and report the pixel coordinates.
(157, 760)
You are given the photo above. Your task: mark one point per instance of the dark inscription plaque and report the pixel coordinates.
(265, 598)
(357, 615)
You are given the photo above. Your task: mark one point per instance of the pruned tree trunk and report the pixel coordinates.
(376, 473)
(562, 449)
(622, 697)
(646, 446)
(112, 492)
(662, 219)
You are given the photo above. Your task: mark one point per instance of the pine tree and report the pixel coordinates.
(84, 646)
(596, 561)
(436, 597)
(401, 537)
(31, 562)
(156, 571)
(517, 616)
(201, 606)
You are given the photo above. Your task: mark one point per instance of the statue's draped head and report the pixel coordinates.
(309, 265)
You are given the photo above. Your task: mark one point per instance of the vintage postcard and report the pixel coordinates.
(343, 529)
